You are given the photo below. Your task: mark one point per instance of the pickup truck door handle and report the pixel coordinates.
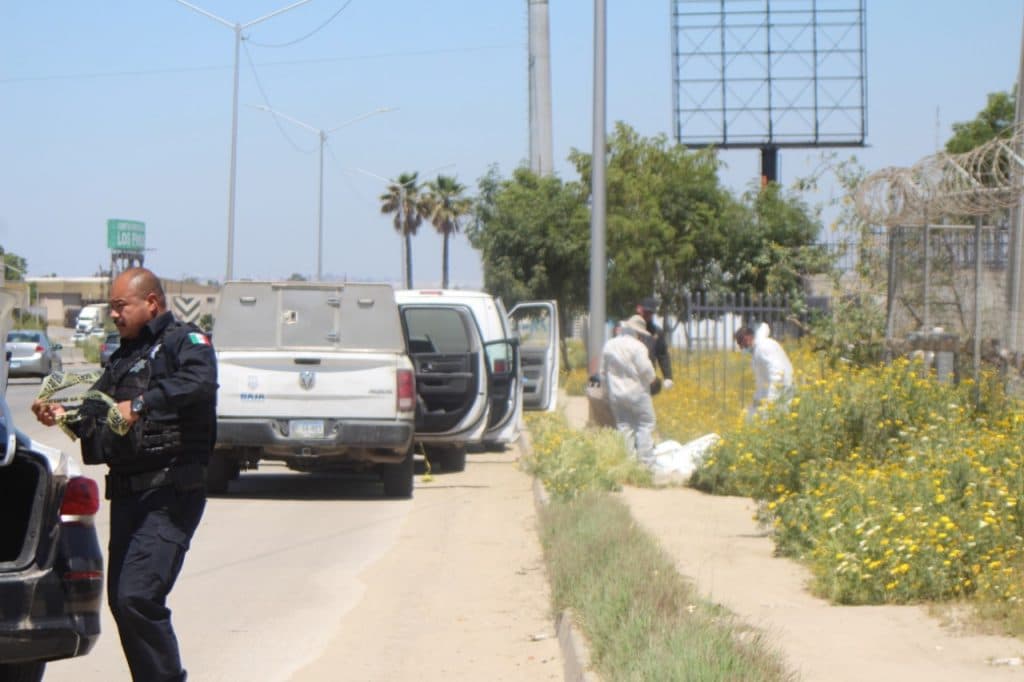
(307, 361)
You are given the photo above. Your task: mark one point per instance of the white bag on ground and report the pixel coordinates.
(675, 459)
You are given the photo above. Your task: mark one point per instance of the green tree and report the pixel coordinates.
(404, 198)
(770, 243)
(665, 211)
(297, 277)
(534, 237)
(15, 266)
(445, 206)
(995, 120)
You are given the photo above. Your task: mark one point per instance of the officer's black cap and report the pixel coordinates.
(649, 305)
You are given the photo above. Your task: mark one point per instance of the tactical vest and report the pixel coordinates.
(159, 438)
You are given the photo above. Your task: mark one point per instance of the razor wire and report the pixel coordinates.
(61, 381)
(986, 179)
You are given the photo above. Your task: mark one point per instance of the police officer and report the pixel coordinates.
(656, 343)
(163, 379)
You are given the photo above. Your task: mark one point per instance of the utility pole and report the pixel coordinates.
(541, 148)
(598, 259)
(237, 28)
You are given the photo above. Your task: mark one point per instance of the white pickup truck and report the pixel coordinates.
(314, 375)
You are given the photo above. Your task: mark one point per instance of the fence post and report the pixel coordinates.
(977, 309)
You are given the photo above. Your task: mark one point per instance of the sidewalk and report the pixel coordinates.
(715, 542)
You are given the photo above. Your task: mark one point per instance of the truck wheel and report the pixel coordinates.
(398, 478)
(454, 458)
(22, 672)
(219, 472)
(448, 457)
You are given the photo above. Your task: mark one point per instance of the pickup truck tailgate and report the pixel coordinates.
(319, 384)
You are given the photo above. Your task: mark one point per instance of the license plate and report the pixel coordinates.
(306, 428)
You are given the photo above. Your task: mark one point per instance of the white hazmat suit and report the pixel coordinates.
(773, 372)
(627, 372)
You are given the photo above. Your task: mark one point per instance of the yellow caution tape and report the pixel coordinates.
(59, 381)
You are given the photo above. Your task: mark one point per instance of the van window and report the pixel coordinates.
(535, 330)
(437, 330)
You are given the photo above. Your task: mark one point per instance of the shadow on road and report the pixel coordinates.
(298, 486)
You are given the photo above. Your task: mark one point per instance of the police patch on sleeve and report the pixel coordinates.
(200, 339)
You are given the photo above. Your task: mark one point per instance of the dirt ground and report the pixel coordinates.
(715, 542)
(463, 594)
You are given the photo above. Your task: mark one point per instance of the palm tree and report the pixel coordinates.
(445, 207)
(405, 200)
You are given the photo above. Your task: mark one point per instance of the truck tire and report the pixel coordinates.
(22, 672)
(220, 470)
(448, 457)
(398, 478)
(454, 458)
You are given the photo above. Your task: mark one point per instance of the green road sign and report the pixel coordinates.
(126, 235)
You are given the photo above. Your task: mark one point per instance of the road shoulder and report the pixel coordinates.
(463, 595)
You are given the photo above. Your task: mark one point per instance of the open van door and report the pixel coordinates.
(452, 373)
(536, 326)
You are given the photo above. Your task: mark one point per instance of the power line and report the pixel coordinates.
(266, 101)
(292, 62)
(308, 35)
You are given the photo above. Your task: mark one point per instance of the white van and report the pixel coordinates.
(477, 367)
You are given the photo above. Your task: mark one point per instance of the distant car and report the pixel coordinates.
(32, 354)
(51, 567)
(109, 345)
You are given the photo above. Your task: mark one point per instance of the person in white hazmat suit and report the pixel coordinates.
(773, 372)
(627, 372)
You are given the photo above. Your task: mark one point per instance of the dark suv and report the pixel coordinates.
(51, 568)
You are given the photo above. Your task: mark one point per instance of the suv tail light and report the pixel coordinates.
(406, 391)
(39, 349)
(81, 497)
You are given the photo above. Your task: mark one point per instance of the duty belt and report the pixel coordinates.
(183, 478)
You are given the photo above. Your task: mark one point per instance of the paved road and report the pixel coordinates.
(271, 573)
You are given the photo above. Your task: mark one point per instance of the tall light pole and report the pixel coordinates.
(322, 134)
(406, 246)
(237, 28)
(598, 258)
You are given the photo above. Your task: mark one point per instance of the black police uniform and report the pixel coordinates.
(156, 485)
(657, 344)
(657, 348)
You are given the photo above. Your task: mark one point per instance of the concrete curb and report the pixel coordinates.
(575, 653)
(574, 649)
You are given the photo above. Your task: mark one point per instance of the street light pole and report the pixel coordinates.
(598, 257)
(321, 134)
(237, 28)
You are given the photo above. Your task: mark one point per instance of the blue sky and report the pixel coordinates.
(118, 109)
